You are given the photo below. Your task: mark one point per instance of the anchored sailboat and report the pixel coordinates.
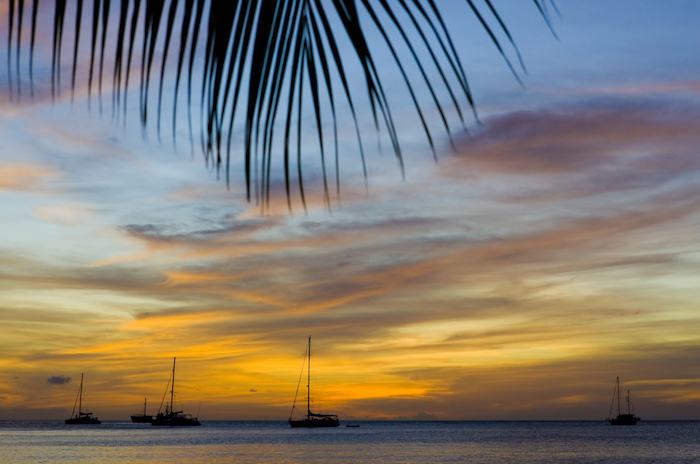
(311, 419)
(171, 417)
(142, 418)
(81, 418)
(621, 419)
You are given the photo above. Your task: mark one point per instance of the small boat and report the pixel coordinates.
(349, 425)
(142, 418)
(170, 417)
(81, 418)
(311, 420)
(621, 419)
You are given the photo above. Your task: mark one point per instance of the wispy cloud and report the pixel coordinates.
(629, 145)
(23, 177)
(691, 87)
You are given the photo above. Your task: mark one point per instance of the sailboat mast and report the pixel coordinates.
(172, 389)
(308, 383)
(80, 396)
(618, 396)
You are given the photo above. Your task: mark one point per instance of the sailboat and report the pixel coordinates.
(171, 417)
(621, 419)
(142, 418)
(81, 418)
(311, 420)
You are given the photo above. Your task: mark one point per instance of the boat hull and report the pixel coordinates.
(83, 420)
(175, 421)
(624, 419)
(314, 423)
(190, 423)
(141, 419)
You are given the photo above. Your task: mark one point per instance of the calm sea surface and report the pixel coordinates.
(372, 442)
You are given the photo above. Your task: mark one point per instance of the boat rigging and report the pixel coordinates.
(312, 420)
(81, 418)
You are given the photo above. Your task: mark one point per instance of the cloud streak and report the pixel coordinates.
(610, 146)
(23, 177)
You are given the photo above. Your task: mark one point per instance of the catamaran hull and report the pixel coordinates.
(175, 421)
(314, 423)
(624, 419)
(83, 421)
(191, 423)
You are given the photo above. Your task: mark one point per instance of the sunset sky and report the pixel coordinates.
(553, 248)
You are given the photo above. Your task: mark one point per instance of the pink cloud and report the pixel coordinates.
(581, 151)
(584, 139)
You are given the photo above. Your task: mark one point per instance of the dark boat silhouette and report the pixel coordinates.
(621, 419)
(170, 417)
(142, 418)
(81, 418)
(312, 420)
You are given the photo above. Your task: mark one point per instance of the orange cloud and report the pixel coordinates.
(23, 177)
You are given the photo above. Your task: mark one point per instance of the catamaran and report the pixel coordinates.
(311, 419)
(81, 418)
(170, 417)
(621, 419)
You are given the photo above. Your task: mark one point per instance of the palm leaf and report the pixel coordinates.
(264, 61)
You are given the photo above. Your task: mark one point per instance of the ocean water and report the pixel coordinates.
(374, 442)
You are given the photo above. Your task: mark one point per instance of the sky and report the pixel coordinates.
(550, 248)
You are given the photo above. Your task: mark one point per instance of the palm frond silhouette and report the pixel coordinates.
(257, 62)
